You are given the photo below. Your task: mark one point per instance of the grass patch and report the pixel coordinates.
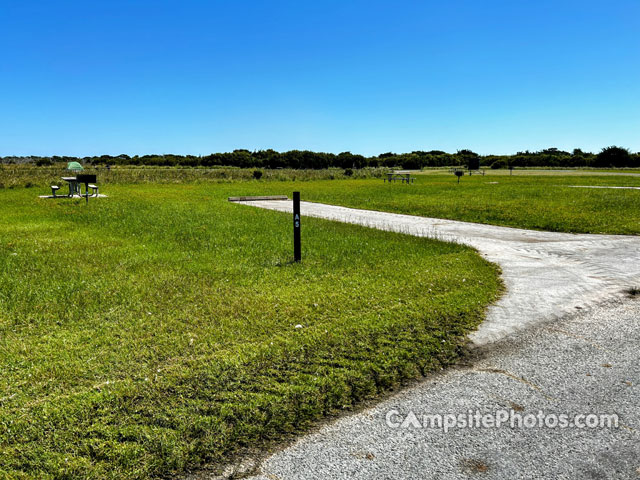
(28, 175)
(157, 330)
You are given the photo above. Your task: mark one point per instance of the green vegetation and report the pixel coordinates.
(26, 175)
(530, 198)
(164, 327)
(304, 159)
(542, 200)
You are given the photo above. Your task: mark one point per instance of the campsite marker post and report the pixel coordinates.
(297, 251)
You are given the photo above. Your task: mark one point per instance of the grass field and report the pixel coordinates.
(155, 330)
(163, 327)
(535, 202)
(533, 198)
(28, 175)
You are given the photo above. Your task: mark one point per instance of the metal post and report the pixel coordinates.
(297, 251)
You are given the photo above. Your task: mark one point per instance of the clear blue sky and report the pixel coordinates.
(91, 77)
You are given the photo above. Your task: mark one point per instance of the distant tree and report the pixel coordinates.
(613, 157)
(502, 163)
(389, 162)
(410, 161)
(466, 153)
(468, 158)
(349, 160)
(305, 159)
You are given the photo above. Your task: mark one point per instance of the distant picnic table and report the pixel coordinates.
(399, 175)
(74, 186)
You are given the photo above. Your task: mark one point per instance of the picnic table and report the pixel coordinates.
(74, 185)
(76, 182)
(403, 176)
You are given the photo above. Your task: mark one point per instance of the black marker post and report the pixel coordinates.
(297, 250)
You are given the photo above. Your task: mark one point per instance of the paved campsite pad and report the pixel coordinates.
(604, 186)
(585, 364)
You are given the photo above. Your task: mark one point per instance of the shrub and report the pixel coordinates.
(499, 164)
(613, 157)
(257, 174)
(410, 161)
(348, 172)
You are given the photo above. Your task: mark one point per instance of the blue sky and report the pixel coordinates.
(195, 77)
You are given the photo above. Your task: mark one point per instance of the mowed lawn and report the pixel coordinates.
(163, 327)
(544, 202)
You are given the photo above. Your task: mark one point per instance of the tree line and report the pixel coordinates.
(616, 157)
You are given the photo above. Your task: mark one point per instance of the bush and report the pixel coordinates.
(257, 174)
(499, 164)
(409, 161)
(348, 172)
(613, 157)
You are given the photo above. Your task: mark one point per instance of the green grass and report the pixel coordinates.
(536, 199)
(154, 331)
(28, 175)
(535, 202)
